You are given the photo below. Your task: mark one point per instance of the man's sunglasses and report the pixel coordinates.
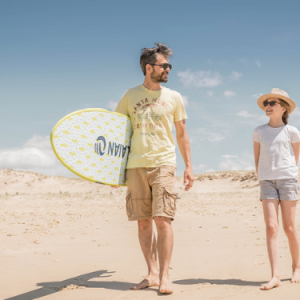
(165, 66)
(272, 103)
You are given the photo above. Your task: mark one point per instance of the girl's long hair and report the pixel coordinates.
(285, 115)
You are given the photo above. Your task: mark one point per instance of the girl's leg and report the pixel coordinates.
(270, 207)
(288, 211)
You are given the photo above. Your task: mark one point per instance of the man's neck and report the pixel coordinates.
(150, 85)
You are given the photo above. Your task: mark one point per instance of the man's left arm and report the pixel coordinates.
(185, 150)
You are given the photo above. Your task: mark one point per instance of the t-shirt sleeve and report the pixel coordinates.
(255, 136)
(180, 113)
(122, 107)
(295, 136)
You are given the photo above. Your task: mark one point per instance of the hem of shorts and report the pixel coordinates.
(296, 177)
(149, 217)
(139, 218)
(151, 166)
(278, 199)
(164, 215)
(289, 200)
(268, 199)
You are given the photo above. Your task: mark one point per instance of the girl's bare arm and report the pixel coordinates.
(296, 147)
(256, 148)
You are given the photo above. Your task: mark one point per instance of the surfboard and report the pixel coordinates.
(94, 144)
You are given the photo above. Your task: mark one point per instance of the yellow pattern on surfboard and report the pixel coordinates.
(74, 140)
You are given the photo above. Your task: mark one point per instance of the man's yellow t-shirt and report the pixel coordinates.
(152, 114)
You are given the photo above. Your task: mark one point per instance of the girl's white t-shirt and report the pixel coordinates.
(276, 158)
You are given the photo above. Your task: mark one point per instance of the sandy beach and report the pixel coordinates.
(66, 238)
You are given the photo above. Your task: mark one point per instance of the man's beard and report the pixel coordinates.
(156, 78)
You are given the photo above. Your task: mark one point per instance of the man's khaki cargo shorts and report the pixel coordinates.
(150, 193)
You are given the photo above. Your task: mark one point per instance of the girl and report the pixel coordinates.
(276, 153)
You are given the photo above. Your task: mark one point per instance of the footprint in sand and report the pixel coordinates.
(72, 287)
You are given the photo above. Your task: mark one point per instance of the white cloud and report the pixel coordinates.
(257, 62)
(202, 168)
(25, 158)
(199, 168)
(200, 78)
(203, 134)
(209, 93)
(37, 141)
(257, 95)
(252, 117)
(245, 114)
(209, 171)
(296, 112)
(185, 101)
(35, 155)
(190, 104)
(112, 105)
(294, 118)
(233, 162)
(214, 130)
(229, 94)
(235, 76)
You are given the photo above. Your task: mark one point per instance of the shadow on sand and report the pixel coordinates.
(48, 288)
(84, 280)
(237, 282)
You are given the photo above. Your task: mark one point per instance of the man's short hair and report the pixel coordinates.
(149, 55)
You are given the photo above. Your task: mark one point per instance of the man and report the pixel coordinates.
(152, 162)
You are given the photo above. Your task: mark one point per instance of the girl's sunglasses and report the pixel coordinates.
(272, 103)
(165, 66)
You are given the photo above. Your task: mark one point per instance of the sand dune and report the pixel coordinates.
(66, 238)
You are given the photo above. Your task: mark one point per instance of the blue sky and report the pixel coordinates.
(60, 56)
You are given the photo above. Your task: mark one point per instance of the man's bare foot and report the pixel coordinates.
(165, 286)
(274, 282)
(147, 282)
(296, 276)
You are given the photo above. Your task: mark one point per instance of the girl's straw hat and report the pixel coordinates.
(276, 93)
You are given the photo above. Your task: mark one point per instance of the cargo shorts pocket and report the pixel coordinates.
(129, 205)
(169, 200)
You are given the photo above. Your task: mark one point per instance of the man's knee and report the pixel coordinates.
(144, 224)
(162, 222)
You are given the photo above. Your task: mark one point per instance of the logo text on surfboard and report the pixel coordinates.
(112, 149)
